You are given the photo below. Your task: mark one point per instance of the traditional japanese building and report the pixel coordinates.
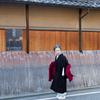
(29, 29)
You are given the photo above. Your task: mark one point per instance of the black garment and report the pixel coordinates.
(59, 81)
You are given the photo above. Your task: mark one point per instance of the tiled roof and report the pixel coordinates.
(69, 3)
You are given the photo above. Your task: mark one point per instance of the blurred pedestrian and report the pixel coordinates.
(59, 80)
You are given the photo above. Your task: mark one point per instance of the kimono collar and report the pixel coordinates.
(57, 56)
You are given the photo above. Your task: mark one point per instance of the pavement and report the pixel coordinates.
(89, 93)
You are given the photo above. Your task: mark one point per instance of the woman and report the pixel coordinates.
(59, 80)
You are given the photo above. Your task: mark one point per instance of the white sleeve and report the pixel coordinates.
(63, 71)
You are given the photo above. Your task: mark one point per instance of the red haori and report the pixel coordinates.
(52, 71)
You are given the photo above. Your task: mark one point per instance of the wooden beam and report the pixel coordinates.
(27, 28)
(80, 32)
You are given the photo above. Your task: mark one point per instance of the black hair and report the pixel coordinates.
(57, 46)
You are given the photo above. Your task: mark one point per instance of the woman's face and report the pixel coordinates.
(57, 51)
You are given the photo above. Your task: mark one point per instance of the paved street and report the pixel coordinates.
(90, 94)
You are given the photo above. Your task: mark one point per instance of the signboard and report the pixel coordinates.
(13, 39)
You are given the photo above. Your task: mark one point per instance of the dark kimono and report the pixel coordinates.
(59, 82)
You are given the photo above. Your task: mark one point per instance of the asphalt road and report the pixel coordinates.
(89, 94)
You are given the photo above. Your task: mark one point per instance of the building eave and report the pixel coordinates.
(67, 3)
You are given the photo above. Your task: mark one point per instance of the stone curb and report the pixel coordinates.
(45, 93)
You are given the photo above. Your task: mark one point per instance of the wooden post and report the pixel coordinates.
(27, 28)
(80, 32)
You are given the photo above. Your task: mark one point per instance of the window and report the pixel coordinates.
(13, 39)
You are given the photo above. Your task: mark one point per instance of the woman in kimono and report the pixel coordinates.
(59, 81)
